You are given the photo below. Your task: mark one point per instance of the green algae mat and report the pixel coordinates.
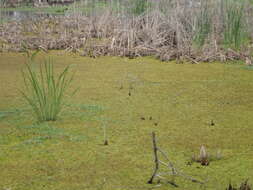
(129, 98)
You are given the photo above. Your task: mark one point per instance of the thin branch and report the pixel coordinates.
(174, 172)
(156, 159)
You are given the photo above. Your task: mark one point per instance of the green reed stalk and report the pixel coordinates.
(234, 31)
(45, 91)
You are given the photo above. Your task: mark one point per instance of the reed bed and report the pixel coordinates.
(196, 31)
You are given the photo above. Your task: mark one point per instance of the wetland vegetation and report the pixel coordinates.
(83, 87)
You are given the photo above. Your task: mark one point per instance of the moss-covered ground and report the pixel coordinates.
(182, 99)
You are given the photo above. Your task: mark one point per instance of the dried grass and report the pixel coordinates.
(167, 30)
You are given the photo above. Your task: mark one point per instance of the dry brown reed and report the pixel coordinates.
(167, 30)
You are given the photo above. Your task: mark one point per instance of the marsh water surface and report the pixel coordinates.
(19, 15)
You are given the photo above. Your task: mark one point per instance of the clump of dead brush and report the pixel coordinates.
(204, 158)
(167, 33)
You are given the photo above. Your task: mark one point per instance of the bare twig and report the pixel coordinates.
(172, 169)
(156, 159)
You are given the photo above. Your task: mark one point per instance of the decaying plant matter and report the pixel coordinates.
(170, 30)
(204, 157)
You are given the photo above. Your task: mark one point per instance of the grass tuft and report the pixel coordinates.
(234, 31)
(204, 26)
(45, 90)
(139, 7)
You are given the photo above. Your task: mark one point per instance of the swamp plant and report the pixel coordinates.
(234, 31)
(204, 26)
(44, 90)
(139, 6)
(167, 29)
